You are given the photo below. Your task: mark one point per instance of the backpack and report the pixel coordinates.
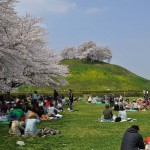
(118, 119)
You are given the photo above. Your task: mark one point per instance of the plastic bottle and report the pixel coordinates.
(148, 145)
(102, 117)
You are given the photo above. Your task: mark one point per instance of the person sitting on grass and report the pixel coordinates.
(122, 113)
(107, 113)
(116, 106)
(132, 140)
(142, 104)
(127, 104)
(60, 105)
(15, 127)
(18, 112)
(52, 112)
(89, 99)
(134, 105)
(30, 128)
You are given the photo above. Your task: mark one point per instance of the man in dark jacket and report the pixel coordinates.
(132, 140)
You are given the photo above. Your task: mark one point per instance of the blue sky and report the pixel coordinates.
(122, 25)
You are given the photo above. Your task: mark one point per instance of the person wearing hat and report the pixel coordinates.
(30, 128)
(132, 140)
(15, 126)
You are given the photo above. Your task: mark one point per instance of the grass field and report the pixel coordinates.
(79, 131)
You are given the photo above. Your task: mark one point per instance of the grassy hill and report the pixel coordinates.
(100, 76)
(96, 77)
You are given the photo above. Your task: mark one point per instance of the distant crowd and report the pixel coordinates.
(117, 102)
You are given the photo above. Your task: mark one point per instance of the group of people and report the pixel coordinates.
(122, 106)
(25, 112)
(139, 104)
(23, 120)
(108, 115)
(116, 102)
(28, 127)
(132, 139)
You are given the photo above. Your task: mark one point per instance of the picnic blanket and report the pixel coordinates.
(130, 110)
(97, 103)
(128, 120)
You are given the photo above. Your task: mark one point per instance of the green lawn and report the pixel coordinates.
(79, 131)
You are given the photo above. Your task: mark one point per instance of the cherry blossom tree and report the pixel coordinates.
(24, 54)
(69, 53)
(86, 47)
(90, 51)
(102, 54)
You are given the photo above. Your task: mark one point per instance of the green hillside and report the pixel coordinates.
(100, 76)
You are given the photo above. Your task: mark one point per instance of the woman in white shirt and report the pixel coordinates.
(122, 114)
(89, 99)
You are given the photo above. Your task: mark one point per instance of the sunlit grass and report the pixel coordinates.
(97, 76)
(79, 131)
(102, 76)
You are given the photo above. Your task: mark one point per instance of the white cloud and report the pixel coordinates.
(36, 7)
(95, 10)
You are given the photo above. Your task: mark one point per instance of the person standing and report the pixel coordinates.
(55, 96)
(111, 101)
(70, 99)
(145, 92)
(132, 140)
(34, 98)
